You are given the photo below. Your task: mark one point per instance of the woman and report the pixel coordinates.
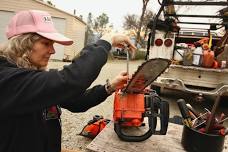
(31, 97)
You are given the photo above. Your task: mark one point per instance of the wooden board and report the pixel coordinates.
(108, 141)
(67, 150)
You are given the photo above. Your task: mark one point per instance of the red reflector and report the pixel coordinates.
(168, 42)
(158, 42)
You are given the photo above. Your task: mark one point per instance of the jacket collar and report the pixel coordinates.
(5, 62)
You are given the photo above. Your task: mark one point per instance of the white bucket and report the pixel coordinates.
(178, 55)
(197, 56)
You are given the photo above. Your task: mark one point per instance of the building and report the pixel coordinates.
(67, 24)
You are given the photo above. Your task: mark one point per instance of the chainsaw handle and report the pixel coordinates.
(124, 137)
(158, 105)
(164, 117)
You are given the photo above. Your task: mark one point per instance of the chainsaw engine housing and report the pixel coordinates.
(127, 110)
(130, 109)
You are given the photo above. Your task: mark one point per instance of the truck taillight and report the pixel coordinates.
(158, 42)
(168, 42)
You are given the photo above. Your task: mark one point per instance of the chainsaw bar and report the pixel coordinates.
(146, 74)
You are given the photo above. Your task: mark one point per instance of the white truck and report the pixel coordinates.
(192, 77)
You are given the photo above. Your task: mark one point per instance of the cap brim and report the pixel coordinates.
(57, 37)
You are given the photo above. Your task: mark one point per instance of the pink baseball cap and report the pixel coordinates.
(35, 21)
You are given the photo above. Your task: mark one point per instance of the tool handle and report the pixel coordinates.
(183, 109)
(164, 117)
(119, 131)
(191, 109)
(211, 119)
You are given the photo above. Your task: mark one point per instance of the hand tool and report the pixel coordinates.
(211, 119)
(190, 108)
(199, 120)
(184, 112)
(220, 122)
(221, 117)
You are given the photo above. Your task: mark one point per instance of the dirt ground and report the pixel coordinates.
(72, 123)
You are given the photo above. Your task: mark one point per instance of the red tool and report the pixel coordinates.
(94, 126)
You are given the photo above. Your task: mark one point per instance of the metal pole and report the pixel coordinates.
(221, 3)
(202, 23)
(202, 16)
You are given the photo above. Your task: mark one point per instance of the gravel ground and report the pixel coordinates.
(72, 123)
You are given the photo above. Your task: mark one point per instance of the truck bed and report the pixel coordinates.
(194, 79)
(219, 70)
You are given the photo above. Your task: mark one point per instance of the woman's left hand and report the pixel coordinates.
(120, 81)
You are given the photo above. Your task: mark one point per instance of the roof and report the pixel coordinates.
(43, 3)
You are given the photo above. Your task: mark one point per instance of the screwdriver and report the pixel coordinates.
(191, 109)
(184, 112)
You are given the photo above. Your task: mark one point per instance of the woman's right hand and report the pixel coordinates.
(123, 41)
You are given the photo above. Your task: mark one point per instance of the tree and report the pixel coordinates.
(147, 18)
(145, 2)
(132, 23)
(89, 31)
(100, 24)
(81, 17)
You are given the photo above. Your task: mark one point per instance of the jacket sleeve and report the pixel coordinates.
(24, 90)
(88, 99)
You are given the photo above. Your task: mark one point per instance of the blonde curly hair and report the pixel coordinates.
(18, 48)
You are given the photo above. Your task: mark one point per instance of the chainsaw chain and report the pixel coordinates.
(146, 74)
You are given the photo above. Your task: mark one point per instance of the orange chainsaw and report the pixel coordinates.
(134, 102)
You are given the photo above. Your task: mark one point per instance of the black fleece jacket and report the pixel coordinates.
(24, 94)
